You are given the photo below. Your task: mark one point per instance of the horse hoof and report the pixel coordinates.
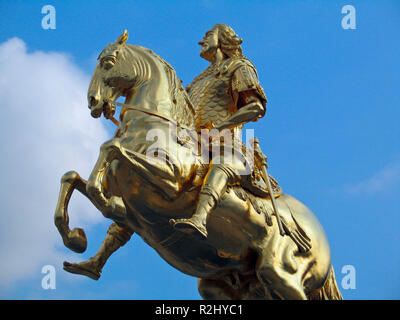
(84, 268)
(76, 240)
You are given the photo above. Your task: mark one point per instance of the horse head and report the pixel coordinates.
(113, 77)
(143, 77)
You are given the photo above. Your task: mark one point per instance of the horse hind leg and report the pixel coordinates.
(73, 239)
(214, 289)
(280, 286)
(116, 237)
(278, 273)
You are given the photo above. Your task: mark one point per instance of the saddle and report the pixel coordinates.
(290, 225)
(256, 184)
(254, 189)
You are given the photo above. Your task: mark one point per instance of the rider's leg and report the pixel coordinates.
(116, 237)
(214, 187)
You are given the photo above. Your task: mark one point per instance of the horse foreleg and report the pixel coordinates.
(116, 237)
(75, 239)
(112, 207)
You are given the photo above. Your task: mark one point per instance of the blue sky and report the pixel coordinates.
(331, 131)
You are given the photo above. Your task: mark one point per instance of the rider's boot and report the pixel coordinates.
(116, 237)
(212, 190)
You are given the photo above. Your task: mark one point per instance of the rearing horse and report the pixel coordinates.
(244, 255)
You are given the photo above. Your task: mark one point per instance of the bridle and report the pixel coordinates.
(127, 107)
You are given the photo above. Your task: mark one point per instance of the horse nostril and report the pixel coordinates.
(93, 101)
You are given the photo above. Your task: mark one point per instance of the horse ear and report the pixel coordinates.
(122, 38)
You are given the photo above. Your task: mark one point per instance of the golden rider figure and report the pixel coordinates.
(225, 95)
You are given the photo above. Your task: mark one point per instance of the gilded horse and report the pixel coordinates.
(244, 255)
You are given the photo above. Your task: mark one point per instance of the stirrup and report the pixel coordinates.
(189, 227)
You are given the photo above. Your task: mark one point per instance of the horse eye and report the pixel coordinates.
(111, 81)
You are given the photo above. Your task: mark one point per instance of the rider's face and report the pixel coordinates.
(209, 44)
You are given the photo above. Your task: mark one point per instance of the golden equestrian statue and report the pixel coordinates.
(210, 210)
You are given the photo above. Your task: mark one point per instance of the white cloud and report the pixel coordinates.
(386, 179)
(45, 130)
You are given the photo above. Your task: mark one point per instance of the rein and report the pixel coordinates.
(126, 107)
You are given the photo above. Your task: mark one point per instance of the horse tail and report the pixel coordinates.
(329, 291)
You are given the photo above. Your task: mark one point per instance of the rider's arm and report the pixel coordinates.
(249, 109)
(249, 98)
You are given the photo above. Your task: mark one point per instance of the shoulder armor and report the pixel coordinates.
(245, 78)
(232, 64)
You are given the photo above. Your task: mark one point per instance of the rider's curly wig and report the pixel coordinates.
(229, 41)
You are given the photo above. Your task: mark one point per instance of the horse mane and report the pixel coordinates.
(182, 108)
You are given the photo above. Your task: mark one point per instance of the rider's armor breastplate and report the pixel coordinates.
(213, 91)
